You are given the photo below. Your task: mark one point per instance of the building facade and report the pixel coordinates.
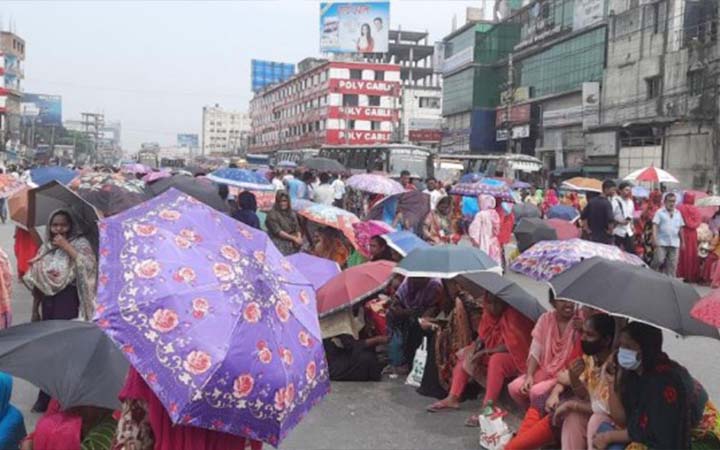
(224, 132)
(333, 102)
(12, 56)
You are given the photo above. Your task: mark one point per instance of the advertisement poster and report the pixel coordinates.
(264, 73)
(357, 27)
(588, 12)
(188, 140)
(42, 109)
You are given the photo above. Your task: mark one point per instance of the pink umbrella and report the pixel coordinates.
(156, 175)
(364, 231)
(565, 230)
(707, 309)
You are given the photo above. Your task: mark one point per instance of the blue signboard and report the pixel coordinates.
(188, 140)
(42, 109)
(354, 27)
(265, 73)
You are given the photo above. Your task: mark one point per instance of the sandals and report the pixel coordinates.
(441, 405)
(473, 421)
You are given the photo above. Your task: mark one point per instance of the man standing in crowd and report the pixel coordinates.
(338, 186)
(406, 182)
(436, 192)
(598, 215)
(667, 238)
(324, 193)
(623, 209)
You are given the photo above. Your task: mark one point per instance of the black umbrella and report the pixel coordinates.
(530, 231)
(506, 290)
(204, 191)
(324, 165)
(633, 292)
(75, 362)
(525, 210)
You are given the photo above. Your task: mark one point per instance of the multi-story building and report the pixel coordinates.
(12, 55)
(224, 132)
(333, 102)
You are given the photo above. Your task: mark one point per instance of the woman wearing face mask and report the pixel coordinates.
(654, 401)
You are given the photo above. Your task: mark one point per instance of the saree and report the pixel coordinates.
(278, 220)
(334, 250)
(485, 229)
(437, 228)
(688, 260)
(551, 349)
(452, 338)
(5, 291)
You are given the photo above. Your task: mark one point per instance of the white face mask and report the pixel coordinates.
(628, 359)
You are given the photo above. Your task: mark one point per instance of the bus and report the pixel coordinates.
(297, 156)
(508, 165)
(389, 158)
(257, 161)
(148, 158)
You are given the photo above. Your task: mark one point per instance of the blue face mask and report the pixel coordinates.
(628, 359)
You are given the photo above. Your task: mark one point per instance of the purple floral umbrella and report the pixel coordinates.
(222, 327)
(547, 259)
(375, 184)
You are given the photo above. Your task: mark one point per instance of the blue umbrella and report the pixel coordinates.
(471, 178)
(446, 261)
(404, 242)
(563, 212)
(241, 178)
(43, 175)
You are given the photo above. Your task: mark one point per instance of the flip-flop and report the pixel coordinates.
(472, 421)
(440, 406)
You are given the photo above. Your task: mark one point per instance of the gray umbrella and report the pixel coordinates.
(521, 210)
(633, 292)
(324, 165)
(506, 290)
(530, 231)
(445, 262)
(74, 362)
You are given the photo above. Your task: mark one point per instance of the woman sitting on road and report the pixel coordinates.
(329, 245)
(439, 227)
(379, 250)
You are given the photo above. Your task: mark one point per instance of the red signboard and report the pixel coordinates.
(375, 113)
(425, 135)
(518, 114)
(365, 87)
(336, 137)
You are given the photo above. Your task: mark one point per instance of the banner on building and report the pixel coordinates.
(424, 123)
(517, 114)
(264, 73)
(374, 113)
(588, 12)
(591, 104)
(365, 87)
(42, 109)
(336, 137)
(425, 135)
(357, 27)
(562, 117)
(188, 140)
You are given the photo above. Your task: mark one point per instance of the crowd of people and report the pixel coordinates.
(579, 377)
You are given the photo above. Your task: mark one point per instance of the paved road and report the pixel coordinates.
(386, 415)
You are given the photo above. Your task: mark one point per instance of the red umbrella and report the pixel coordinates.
(564, 229)
(707, 309)
(353, 285)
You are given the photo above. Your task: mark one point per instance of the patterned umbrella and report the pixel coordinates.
(413, 206)
(652, 174)
(135, 168)
(547, 259)
(707, 309)
(10, 185)
(364, 231)
(404, 242)
(110, 193)
(42, 175)
(242, 178)
(375, 184)
(486, 186)
(222, 327)
(582, 184)
(328, 216)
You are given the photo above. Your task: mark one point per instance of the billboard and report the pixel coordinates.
(264, 73)
(587, 13)
(188, 140)
(42, 109)
(354, 27)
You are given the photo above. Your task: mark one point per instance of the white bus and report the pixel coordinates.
(297, 156)
(511, 165)
(389, 158)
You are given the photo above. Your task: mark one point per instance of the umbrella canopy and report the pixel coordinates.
(324, 165)
(135, 168)
(413, 206)
(712, 200)
(222, 327)
(155, 175)
(364, 231)
(353, 285)
(707, 309)
(529, 232)
(652, 174)
(242, 178)
(548, 259)
(110, 193)
(404, 242)
(10, 185)
(42, 175)
(486, 186)
(375, 184)
(505, 289)
(633, 292)
(73, 361)
(204, 191)
(517, 184)
(446, 261)
(471, 177)
(564, 212)
(318, 271)
(582, 184)
(329, 216)
(525, 210)
(565, 230)
(18, 208)
(706, 211)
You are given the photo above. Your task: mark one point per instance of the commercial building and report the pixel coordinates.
(332, 102)
(224, 132)
(12, 55)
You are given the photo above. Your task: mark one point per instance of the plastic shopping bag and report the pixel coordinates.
(494, 432)
(415, 376)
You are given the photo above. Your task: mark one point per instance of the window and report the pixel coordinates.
(653, 86)
(351, 124)
(696, 82)
(350, 99)
(379, 75)
(355, 74)
(375, 126)
(373, 100)
(656, 17)
(429, 102)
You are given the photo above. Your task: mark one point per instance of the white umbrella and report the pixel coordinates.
(652, 174)
(713, 200)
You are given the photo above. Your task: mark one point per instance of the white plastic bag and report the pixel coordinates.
(494, 432)
(415, 376)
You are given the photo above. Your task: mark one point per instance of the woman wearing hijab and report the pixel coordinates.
(12, 426)
(688, 260)
(438, 225)
(283, 226)
(485, 229)
(550, 200)
(246, 212)
(62, 277)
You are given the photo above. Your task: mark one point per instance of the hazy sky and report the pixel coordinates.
(154, 64)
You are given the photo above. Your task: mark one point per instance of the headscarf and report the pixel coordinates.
(653, 204)
(247, 201)
(507, 223)
(278, 220)
(551, 349)
(12, 427)
(690, 213)
(52, 269)
(551, 200)
(417, 298)
(486, 202)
